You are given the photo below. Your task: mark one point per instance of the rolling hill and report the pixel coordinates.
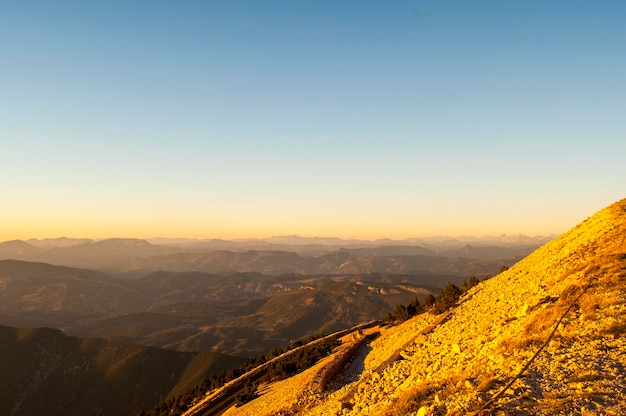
(17, 249)
(59, 297)
(278, 263)
(45, 372)
(127, 257)
(82, 253)
(244, 314)
(248, 317)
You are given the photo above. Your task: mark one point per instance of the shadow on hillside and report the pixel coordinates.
(353, 370)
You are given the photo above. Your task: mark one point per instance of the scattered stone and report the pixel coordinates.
(423, 411)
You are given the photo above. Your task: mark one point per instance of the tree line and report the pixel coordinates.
(444, 300)
(298, 361)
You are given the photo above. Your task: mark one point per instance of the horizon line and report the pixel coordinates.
(284, 236)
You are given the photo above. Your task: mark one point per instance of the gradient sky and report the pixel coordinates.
(358, 119)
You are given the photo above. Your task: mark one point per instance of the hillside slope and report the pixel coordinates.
(545, 337)
(44, 372)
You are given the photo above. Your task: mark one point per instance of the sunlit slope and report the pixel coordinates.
(501, 339)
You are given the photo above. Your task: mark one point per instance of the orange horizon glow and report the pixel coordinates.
(394, 221)
(230, 231)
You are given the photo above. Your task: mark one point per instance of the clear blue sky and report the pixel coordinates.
(349, 118)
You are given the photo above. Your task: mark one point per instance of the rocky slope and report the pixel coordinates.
(545, 337)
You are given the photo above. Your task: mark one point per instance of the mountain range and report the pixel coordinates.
(197, 295)
(142, 321)
(109, 253)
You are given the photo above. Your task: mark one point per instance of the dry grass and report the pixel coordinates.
(615, 329)
(510, 345)
(411, 400)
(570, 294)
(544, 320)
(589, 376)
(486, 382)
(451, 387)
(589, 303)
(426, 393)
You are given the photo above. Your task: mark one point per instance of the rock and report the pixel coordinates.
(423, 411)
(523, 311)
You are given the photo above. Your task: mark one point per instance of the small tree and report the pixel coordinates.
(414, 307)
(389, 318)
(428, 301)
(447, 298)
(473, 281)
(401, 313)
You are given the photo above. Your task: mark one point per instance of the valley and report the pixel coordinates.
(184, 302)
(242, 302)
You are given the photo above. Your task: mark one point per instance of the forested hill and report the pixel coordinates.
(44, 372)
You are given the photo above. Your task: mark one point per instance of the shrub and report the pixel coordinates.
(249, 393)
(401, 313)
(473, 281)
(414, 307)
(616, 329)
(428, 301)
(447, 298)
(411, 400)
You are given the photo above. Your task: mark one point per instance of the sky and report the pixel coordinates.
(356, 119)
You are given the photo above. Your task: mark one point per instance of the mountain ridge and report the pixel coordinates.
(96, 252)
(277, 263)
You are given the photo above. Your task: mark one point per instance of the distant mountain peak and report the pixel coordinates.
(16, 243)
(17, 249)
(124, 242)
